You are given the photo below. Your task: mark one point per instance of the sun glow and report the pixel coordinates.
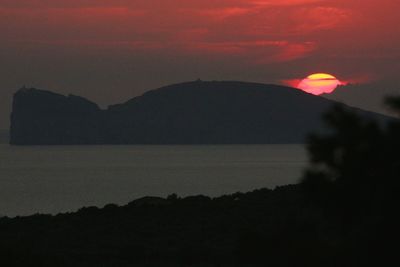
(319, 83)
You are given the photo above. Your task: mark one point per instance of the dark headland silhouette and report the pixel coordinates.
(187, 113)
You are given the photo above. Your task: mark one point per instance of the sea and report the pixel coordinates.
(59, 179)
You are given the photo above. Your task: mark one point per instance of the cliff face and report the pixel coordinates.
(4, 137)
(188, 113)
(44, 118)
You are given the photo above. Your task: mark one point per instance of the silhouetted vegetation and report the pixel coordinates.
(354, 181)
(343, 213)
(241, 228)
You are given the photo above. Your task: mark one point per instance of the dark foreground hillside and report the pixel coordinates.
(262, 228)
(239, 228)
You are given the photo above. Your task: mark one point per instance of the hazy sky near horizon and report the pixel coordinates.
(110, 51)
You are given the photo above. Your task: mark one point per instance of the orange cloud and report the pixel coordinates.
(224, 13)
(269, 3)
(319, 18)
(295, 51)
(258, 31)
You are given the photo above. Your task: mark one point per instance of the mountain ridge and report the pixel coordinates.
(215, 112)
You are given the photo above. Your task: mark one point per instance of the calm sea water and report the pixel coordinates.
(65, 178)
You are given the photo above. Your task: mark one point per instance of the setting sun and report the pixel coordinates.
(319, 83)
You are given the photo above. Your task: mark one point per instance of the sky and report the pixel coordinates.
(110, 51)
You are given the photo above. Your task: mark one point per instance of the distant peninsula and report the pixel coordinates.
(187, 113)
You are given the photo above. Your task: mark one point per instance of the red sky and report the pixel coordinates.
(113, 50)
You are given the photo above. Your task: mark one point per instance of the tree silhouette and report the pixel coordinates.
(354, 179)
